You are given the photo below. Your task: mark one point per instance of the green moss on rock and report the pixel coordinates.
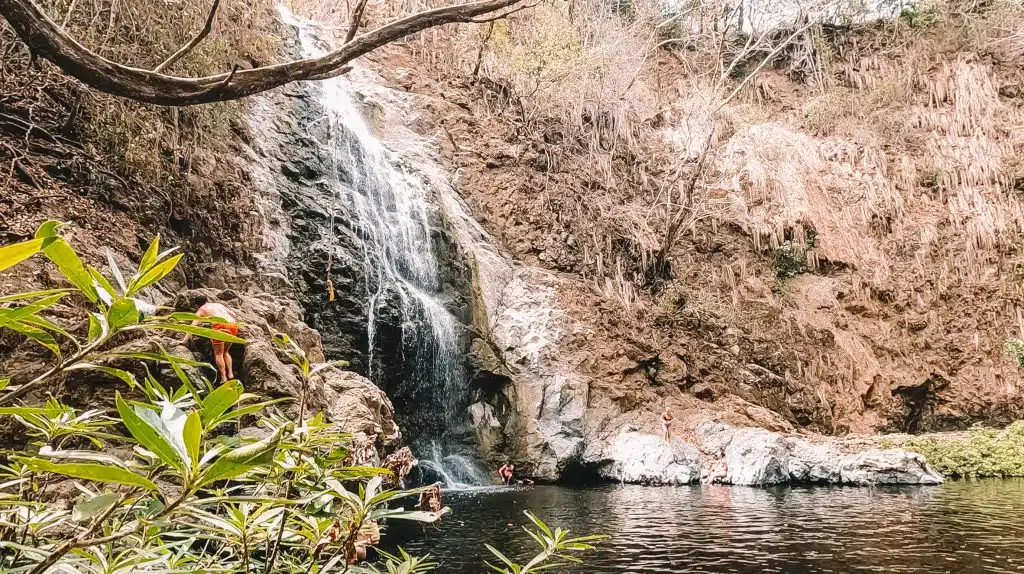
(978, 453)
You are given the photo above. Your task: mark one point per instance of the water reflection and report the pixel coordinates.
(956, 527)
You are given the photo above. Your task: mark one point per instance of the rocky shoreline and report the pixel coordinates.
(757, 457)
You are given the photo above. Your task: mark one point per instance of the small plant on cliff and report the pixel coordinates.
(161, 483)
(1015, 351)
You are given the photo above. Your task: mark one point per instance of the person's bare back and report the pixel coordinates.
(214, 309)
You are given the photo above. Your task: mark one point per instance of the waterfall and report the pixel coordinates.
(391, 203)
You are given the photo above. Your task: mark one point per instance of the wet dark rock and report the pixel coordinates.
(327, 252)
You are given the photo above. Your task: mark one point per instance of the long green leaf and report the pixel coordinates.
(36, 334)
(64, 257)
(95, 472)
(159, 357)
(115, 270)
(42, 323)
(148, 436)
(219, 401)
(80, 455)
(180, 373)
(88, 508)
(103, 287)
(128, 378)
(246, 410)
(194, 330)
(33, 295)
(192, 435)
(183, 316)
(149, 257)
(122, 314)
(154, 274)
(22, 411)
(18, 252)
(97, 326)
(9, 316)
(241, 460)
(501, 556)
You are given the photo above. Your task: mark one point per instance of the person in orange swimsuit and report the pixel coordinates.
(220, 348)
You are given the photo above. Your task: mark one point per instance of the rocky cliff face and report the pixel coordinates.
(771, 314)
(849, 270)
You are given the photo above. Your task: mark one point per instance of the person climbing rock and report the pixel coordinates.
(220, 348)
(506, 472)
(666, 421)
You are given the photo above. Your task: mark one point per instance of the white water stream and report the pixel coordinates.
(391, 204)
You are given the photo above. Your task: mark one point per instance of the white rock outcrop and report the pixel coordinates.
(641, 458)
(758, 457)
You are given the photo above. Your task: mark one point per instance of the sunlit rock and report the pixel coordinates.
(647, 459)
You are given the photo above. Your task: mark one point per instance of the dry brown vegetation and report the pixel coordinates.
(163, 167)
(854, 234)
(839, 205)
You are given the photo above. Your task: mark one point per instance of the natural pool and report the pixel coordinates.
(961, 526)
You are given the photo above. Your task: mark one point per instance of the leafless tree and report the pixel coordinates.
(48, 40)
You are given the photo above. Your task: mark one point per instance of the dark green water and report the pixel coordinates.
(957, 527)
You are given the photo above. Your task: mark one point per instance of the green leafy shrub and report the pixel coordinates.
(1015, 351)
(168, 482)
(981, 453)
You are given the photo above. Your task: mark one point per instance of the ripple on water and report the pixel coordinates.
(956, 527)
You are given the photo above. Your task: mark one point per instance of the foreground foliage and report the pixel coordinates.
(173, 479)
(980, 453)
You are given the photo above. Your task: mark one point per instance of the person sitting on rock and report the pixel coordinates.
(666, 422)
(400, 464)
(430, 500)
(368, 535)
(220, 348)
(506, 472)
(718, 472)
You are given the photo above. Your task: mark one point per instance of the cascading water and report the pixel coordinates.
(391, 206)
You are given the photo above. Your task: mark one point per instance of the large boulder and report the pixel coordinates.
(641, 458)
(887, 466)
(549, 402)
(757, 457)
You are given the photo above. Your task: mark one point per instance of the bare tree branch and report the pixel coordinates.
(191, 43)
(480, 55)
(487, 19)
(685, 212)
(357, 16)
(51, 42)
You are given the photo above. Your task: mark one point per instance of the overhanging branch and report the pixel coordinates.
(50, 41)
